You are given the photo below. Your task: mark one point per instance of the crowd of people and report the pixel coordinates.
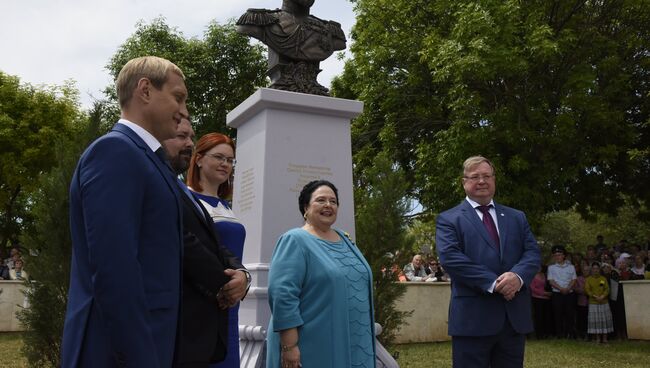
(13, 267)
(579, 296)
(418, 270)
(574, 295)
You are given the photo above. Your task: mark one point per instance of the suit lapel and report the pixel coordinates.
(502, 224)
(203, 216)
(165, 171)
(471, 215)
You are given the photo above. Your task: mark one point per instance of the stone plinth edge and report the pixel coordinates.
(265, 98)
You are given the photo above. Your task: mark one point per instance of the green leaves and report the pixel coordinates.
(554, 92)
(31, 120)
(222, 69)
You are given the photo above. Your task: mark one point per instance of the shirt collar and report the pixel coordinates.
(149, 139)
(475, 204)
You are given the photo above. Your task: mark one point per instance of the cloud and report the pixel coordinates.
(50, 41)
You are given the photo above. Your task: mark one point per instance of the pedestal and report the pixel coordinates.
(285, 140)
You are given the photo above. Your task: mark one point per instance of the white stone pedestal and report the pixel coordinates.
(285, 140)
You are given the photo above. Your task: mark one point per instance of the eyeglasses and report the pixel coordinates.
(433, 264)
(221, 159)
(323, 201)
(476, 178)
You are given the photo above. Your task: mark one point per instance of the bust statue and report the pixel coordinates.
(297, 43)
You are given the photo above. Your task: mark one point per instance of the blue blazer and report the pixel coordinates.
(468, 254)
(125, 219)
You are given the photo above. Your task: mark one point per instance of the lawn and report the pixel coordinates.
(10, 354)
(539, 354)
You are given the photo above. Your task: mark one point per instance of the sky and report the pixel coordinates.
(51, 41)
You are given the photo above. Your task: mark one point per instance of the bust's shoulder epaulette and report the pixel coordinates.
(259, 17)
(336, 30)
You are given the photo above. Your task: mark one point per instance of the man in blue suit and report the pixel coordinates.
(491, 261)
(126, 218)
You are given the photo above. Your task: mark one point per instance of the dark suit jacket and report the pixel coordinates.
(204, 326)
(469, 256)
(125, 221)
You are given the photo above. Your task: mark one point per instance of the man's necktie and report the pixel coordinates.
(489, 224)
(162, 155)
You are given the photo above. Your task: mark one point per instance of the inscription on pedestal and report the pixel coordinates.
(247, 197)
(306, 173)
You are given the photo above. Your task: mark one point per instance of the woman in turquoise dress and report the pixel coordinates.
(210, 178)
(320, 292)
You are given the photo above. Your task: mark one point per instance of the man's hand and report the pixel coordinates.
(508, 284)
(233, 291)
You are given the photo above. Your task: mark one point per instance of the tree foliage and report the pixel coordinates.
(222, 69)
(568, 228)
(31, 118)
(554, 92)
(381, 228)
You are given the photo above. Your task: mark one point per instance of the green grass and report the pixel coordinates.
(540, 354)
(10, 354)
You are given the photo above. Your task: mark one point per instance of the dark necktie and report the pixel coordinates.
(162, 155)
(489, 224)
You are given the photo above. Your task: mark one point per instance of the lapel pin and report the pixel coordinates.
(502, 214)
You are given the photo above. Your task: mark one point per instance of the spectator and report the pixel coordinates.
(4, 272)
(624, 272)
(638, 271)
(591, 255)
(415, 271)
(434, 270)
(600, 317)
(17, 273)
(14, 254)
(616, 299)
(600, 246)
(582, 307)
(606, 258)
(562, 276)
(541, 298)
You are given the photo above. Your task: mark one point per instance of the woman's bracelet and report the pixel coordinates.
(285, 348)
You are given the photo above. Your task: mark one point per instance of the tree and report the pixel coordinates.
(381, 228)
(554, 92)
(50, 240)
(221, 70)
(31, 118)
(568, 228)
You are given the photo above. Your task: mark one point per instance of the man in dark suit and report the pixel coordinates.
(125, 219)
(491, 256)
(213, 278)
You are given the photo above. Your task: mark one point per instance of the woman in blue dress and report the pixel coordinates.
(320, 292)
(210, 178)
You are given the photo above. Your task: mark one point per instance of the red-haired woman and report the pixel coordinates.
(210, 177)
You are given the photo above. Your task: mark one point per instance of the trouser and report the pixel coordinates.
(503, 350)
(564, 312)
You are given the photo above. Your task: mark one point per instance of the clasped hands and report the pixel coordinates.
(508, 284)
(234, 290)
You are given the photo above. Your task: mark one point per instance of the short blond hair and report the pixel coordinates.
(153, 68)
(474, 161)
